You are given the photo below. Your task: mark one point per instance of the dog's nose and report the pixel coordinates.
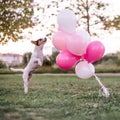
(45, 39)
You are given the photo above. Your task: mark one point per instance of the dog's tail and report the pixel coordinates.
(16, 69)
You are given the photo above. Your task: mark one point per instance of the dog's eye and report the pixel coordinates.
(39, 39)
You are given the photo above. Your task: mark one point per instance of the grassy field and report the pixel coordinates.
(58, 97)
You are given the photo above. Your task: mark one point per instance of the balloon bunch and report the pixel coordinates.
(76, 48)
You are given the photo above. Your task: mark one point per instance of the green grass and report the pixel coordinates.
(58, 97)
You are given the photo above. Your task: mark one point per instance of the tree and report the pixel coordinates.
(15, 15)
(91, 14)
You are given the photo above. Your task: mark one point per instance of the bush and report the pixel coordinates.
(50, 69)
(2, 65)
(26, 57)
(118, 62)
(102, 68)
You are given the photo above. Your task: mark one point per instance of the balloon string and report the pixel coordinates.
(105, 90)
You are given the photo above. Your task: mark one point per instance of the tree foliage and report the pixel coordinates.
(112, 23)
(15, 15)
(91, 14)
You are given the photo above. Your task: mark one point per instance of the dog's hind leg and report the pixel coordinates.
(26, 79)
(25, 86)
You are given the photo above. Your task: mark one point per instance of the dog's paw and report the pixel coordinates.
(47, 57)
(25, 90)
(25, 87)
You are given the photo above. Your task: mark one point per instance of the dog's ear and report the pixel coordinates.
(33, 42)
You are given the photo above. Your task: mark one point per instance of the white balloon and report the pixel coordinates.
(84, 34)
(67, 20)
(84, 70)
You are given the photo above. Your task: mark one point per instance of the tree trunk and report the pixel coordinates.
(87, 16)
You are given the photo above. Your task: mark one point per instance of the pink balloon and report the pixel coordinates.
(59, 40)
(77, 45)
(66, 60)
(94, 52)
(84, 34)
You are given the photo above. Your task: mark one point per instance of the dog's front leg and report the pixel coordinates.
(47, 57)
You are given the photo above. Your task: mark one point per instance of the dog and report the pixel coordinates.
(36, 61)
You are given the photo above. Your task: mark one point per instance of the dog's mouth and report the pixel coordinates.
(45, 39)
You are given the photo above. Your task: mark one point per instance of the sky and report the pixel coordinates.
(110, 41)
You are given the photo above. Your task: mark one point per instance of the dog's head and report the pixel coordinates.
(39, 42)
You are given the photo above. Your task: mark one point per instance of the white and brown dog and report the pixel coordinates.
(36, 61)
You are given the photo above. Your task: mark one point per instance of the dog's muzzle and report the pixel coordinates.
(45, 39)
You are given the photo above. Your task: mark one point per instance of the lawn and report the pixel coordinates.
(58, 97)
